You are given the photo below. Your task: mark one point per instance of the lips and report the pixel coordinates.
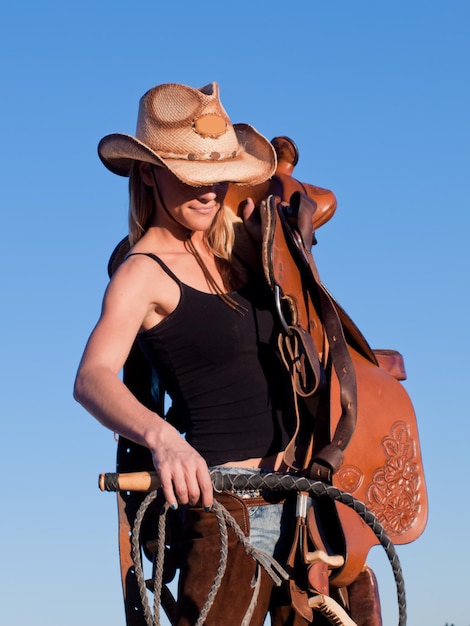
(205, 209)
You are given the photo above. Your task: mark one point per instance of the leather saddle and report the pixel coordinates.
(356, 425)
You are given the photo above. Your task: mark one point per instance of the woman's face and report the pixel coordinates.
(192, 207)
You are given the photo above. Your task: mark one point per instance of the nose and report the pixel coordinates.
(211, 192)
(207, 195)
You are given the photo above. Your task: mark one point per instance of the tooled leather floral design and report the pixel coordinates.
(393, 494)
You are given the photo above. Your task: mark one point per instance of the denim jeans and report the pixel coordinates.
(266, 521)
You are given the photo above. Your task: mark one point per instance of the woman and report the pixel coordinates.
(202, 319)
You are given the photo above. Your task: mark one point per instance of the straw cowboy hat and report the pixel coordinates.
(188, 131)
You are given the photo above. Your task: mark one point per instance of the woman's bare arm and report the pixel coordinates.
(98, 387)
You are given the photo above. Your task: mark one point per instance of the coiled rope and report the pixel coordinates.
(249, 482)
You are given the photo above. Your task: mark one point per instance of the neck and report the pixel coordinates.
(170, 239)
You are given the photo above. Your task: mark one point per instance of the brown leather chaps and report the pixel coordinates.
(200, 550)
(201, 555)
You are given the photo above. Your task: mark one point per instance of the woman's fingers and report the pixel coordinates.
(206, 489)
(166, 480)
(251, 219)
(184, 477)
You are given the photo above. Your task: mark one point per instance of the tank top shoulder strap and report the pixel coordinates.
(158, 260)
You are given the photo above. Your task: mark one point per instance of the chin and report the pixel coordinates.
(201, 222)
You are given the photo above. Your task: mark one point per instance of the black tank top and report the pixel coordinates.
(222, 373)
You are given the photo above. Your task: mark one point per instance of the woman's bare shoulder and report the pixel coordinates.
(141, 283)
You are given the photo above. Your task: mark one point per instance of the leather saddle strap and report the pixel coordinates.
(327, 460)
(333, 454)
(299, 355)
(298, 580)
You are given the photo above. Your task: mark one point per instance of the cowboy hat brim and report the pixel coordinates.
(253, 164)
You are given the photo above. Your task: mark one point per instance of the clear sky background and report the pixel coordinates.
(377, 97)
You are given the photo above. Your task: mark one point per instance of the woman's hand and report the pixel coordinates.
(251, 219)
(182, 471)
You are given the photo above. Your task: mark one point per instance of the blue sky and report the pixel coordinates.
(377, 97)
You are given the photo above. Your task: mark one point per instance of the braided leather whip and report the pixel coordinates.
(246, 482)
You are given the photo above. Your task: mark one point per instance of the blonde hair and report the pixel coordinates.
(219, 238)
(141, 204)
